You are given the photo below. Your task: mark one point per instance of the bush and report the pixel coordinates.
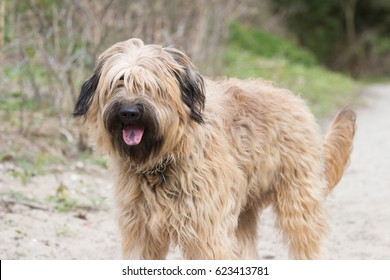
(253, 53)
(267, 45)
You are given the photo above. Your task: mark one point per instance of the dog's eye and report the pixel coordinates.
(122, 78)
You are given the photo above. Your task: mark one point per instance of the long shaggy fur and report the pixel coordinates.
(212, 156)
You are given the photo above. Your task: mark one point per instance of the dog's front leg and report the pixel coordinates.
(219, 247)
(210, 236)
(139, 244)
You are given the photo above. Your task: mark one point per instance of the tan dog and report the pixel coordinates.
(196, 161)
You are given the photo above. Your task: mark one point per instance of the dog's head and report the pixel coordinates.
(141, 99)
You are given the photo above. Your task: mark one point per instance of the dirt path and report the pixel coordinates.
(360, 206)
(33, 226)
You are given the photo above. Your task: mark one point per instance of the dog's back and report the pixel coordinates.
(337, 145)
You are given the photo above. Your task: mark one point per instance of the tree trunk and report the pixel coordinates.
(349, 11)
(2, 22)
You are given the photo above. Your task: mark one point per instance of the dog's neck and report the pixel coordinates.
(159, 168)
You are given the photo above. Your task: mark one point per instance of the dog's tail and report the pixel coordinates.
(338, 146)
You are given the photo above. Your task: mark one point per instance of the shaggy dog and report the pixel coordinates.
(196, 161)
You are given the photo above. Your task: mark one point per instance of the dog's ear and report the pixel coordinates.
(191, 84)
(87, 92)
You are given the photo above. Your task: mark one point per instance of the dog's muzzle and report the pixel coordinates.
(129, 114)
(133, 129)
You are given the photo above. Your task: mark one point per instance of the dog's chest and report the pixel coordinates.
(166, 209)
(159, 191)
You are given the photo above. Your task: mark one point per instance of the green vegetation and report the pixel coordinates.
(347, 35)
(30, 167)
(62, 201)
(89, 157)
(254, 53)
(267, 45)
(18, 196)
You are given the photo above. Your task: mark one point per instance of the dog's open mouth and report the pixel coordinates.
(132, 134)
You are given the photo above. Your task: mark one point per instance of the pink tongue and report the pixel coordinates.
(132, 134)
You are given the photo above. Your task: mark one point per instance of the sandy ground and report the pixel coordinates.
(34, 226)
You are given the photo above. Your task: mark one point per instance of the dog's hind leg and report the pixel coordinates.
(247, 234)
(300, 214)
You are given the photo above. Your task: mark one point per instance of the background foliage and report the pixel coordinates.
(347, 35)
(48, 47)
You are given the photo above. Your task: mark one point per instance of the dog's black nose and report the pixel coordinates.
(128, 114)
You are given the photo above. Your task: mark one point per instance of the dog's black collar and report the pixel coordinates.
(160, 167)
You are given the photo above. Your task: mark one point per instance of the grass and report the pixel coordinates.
(253, 53)
(89, 157)
(30, 167)
(62, 201)
(18, 196)
(267, 45)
